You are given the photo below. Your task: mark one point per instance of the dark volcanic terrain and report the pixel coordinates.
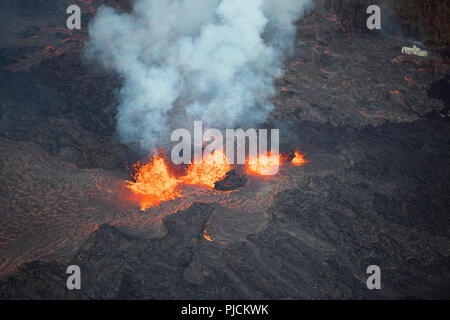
(373, 124)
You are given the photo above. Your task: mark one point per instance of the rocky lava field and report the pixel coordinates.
(372, 123)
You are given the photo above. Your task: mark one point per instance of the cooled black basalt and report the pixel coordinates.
(372, 123)
(231, 181)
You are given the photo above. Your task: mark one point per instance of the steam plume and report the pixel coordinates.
(214, 60)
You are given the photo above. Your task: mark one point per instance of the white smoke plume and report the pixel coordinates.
(209, 60)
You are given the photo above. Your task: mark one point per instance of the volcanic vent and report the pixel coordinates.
(82, 200)
(216, 66)
(155, 183)
(371, 188)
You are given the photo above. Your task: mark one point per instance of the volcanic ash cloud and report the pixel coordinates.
(214, 58)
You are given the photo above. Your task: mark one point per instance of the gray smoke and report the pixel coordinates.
(210, 60)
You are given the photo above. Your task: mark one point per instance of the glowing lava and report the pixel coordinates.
(154, 183)
(211, 169)
(299, 159)
(264, 165)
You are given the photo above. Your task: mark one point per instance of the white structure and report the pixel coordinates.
(414, 50)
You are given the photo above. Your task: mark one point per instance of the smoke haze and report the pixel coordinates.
(211, 60)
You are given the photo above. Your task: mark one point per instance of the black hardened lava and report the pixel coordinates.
(373, 125)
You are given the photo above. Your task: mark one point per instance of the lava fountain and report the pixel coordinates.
(299, 159)
(211, 169)
(155, 183)
(51, 207)
(264, 165)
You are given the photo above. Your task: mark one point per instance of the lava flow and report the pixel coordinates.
(211, 169)
(299, 159)
(264, 165)
(154, 183)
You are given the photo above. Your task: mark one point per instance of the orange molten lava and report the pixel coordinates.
(299, 159)
(154, 183)
(264, 165)
(207, 236)
(211, 169)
